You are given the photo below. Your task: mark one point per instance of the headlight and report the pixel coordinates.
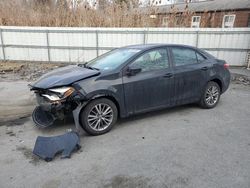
(63, 91)
(59, 93)
(51, 97)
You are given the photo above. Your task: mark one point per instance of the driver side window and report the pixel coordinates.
(152, 60)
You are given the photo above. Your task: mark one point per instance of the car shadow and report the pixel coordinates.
(182, 110)
(60, 125)
(68, 124)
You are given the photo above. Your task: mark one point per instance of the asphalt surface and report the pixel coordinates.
(180, 147)
(15, 100)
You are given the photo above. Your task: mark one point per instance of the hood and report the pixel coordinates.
(64, 76)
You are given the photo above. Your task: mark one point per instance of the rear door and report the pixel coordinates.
(151, 88)
(190, 70)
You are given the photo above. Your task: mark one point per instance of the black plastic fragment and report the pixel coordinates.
(47, 147)
(42, 118)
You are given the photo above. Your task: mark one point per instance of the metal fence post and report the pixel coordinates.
(197, 39)
(248, 60)
(48, 45)
(97, 43)
(3, 50)
(144, 37)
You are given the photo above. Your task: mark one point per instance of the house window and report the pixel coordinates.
(228, 21)
(165, 21)
(153, 16)
(196, 21)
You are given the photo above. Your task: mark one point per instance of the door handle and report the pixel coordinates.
(204, 68)
(168, 75)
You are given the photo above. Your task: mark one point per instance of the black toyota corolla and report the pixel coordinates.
(127, 81)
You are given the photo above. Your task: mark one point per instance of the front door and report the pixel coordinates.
(152, 86)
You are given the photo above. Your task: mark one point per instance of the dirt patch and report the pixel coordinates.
(240, 79)
(54, 183)
(27, 152)
(177, 182)
(125, 181)
(144, 182)
(11, 133)
(25, 70)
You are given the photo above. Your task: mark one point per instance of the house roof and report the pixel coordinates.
(211, 5)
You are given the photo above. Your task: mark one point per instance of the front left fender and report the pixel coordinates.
(76, 115)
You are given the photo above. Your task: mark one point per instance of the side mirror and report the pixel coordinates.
(131, 71)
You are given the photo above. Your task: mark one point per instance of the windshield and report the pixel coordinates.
(112, 59)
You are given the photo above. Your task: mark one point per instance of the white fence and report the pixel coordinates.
(82, 44)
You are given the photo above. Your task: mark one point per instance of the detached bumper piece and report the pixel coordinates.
(48, 147)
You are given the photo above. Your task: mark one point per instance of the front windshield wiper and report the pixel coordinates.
(88, 67)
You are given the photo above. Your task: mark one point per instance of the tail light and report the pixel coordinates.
(226, 66)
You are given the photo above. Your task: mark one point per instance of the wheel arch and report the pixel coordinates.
(107, 96)
(77, 112)
(218, 81)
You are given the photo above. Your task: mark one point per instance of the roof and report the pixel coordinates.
(211, 5)
(155, 45)
(144, 46)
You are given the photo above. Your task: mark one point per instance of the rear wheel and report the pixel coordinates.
(211, 95)
(99, 116)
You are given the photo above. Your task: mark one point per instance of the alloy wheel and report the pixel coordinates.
(100, 117)
(212, 95)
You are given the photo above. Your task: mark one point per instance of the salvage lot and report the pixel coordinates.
(180, 147)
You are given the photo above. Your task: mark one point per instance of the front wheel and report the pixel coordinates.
(99, 116)
(211, 95)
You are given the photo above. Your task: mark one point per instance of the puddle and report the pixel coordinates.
(15, 122)
(125, 181)
(27, 152)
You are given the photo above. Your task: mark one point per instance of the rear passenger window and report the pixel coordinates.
(184, 56)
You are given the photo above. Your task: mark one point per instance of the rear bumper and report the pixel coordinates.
(226, 81)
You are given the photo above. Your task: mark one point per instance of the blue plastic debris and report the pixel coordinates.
(48, 147)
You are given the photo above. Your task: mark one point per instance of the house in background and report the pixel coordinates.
(212, 13)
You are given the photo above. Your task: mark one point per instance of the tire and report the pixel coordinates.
(211, 95)
(99, 116)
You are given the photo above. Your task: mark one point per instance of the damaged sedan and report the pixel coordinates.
(127, 81)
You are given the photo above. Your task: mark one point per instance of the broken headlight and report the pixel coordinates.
(57, 94)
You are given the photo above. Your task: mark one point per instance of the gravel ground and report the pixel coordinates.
(25, 70)
(180, 147)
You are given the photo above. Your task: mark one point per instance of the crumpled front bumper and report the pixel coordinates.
(49, 106)
(49, 111)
